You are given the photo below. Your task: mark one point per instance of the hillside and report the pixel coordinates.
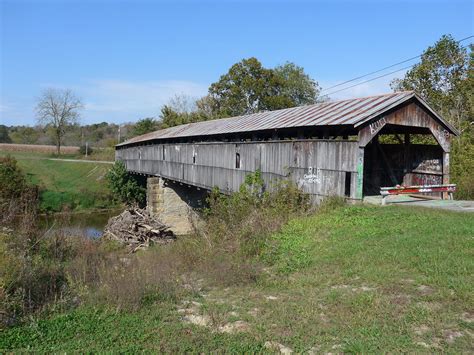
(349, 279)
(74, 185)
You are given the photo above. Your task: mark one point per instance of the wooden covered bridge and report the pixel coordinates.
(330, 148)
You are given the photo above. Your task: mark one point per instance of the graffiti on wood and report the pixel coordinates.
(377, 125)
(426, 179)
(313, 176)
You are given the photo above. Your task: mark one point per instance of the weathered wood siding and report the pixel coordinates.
(318, 167)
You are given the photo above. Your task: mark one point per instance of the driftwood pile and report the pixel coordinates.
(138, 229)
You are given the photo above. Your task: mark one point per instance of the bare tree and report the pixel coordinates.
(58, 108)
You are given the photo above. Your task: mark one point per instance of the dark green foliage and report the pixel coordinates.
(12, 178)
(25, 135)
(297, 85)
(127, 187)
(4, 137)
(85, 150)
(145, 125)
(17, 196)
(248, 88)
(462, 168)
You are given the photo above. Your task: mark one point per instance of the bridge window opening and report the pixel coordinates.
(347, 185)
(164, 153)
(237, 160)
(194, 158)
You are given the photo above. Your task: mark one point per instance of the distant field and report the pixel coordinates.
(70, 185)
(32, 148)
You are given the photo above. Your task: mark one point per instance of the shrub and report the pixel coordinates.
(85, 149)
(462, 166)
(32, 273)
(17, 196)
(241, 222)
(127, 187)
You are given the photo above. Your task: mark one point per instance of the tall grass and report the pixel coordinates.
(42, 270)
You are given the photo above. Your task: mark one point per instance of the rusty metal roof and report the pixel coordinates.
(353, 112)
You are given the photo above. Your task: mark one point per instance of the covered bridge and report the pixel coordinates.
(330, 148)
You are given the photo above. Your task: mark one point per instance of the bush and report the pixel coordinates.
(85, 149)
(241, 223)
(17, 196)
(127, 187)
(462, 167)
(32, 273)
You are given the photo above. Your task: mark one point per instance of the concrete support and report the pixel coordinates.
(174, 204)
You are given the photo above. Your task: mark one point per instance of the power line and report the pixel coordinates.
(366, 81)
(380, 70)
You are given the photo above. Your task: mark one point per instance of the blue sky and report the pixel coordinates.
(125, 59)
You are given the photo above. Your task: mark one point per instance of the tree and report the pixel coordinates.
(4, 137)
(24, 135)
(444, 79)
(297, 85)
(248, 88)
(58, 109)
(143, 126)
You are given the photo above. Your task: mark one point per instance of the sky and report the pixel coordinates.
(125, 59)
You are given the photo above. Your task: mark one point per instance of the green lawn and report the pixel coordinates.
(356, 279)
(72, 185)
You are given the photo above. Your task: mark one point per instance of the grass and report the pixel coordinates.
(70, 185)
(352, 279)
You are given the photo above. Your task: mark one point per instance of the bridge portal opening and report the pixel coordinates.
(401, 155)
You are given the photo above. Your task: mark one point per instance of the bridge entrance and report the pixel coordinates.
(397, 156)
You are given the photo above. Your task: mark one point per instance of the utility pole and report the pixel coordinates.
(87, 148)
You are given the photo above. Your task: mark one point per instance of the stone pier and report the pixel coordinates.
(174, 204)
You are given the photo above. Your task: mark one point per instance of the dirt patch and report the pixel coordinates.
(234, 327)
(421, 330)
(197, 319)
(274, 346)
(467, 317)
(425, 290)
(353, 288)
(271, 298)
(451, 335)
(431, 306)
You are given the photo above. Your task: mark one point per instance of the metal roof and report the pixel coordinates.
(353, 112)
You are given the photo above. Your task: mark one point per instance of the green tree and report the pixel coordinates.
(24, 135)
(444, 79)
(143, 126)
(297, 85)
(126, 186)
(248, 88)
(4, 137)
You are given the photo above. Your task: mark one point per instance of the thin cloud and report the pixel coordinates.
(119, 100)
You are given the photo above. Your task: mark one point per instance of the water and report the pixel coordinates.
(90, 225)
